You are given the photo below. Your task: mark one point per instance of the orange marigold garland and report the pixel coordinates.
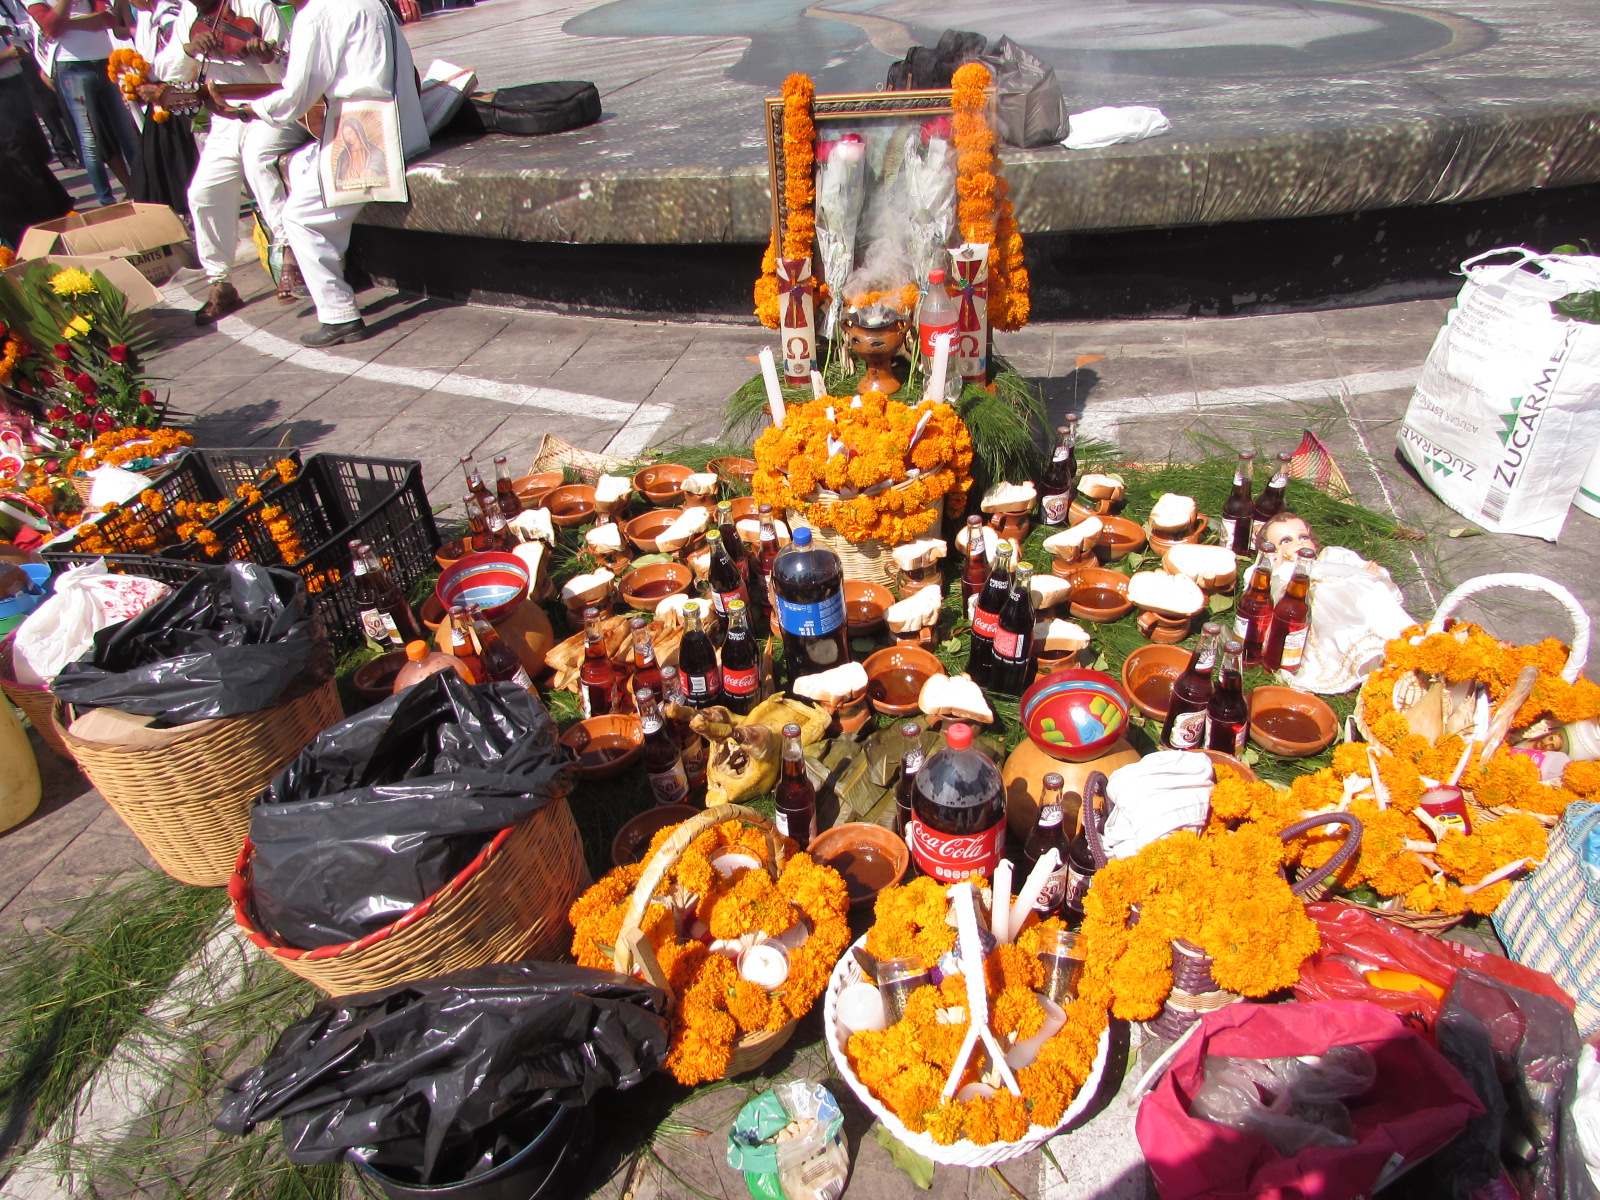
(799, 194)
(984, 213)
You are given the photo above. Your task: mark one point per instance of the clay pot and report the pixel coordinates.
(532, 489)
(876, 344)
(1089, 600)
(375, 680)
(1164, 627)
(1120, 538)
(633, 839)
(865, 606)
(730, 470)
(643, 530)
(571, 504)
(1083, 509)
(606, 746)
(1162, 542)
(449, 552)
(743, 508)
(870, 858)
(1148, 675)
(907, 668)
(646, 587)
(1320, 723)
(1023, 775)
(662, 484)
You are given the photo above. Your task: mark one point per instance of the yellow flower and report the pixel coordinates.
(79, 325)
(72, 282)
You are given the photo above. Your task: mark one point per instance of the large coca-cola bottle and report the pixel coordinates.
(808, 592)
(959, 810)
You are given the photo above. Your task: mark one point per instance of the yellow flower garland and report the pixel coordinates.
(983, 208)
(799, 194)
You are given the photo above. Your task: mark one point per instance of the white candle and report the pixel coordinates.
(1033, 886)
(819, 389)
(766, 964)
(769, 375)
(1000, 903)
(941, 366)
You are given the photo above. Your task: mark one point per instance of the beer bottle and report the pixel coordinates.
(1080, 863)
(741, 669)
(596, 678)
(808, 592)
(663, 765)
(691, 745)
(976, 571)
(505, 492)
(646, 674)
(910, 763)
(1238, 510)
(1270, 503)
(697, 662)
(1185, 726)
(475, 483)
(375, 622)
(1253, 616)
(1013, 638)
(986, 620)
(461, 646)
(477, 523)
(768, 553)
(500, 662)
(1291, 618)
(392, 598)
(1059, 487)
(797, 798)
(1047, 835)
(727, 580)
(1227, 712)
(497, 534)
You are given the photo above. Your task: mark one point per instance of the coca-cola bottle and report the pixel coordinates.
(1012, 649)
(986, 619)
(691, 746)
(741, 669)
(938, 313)
(1238, 510)
(505, 491)
(959, 810)
(742, 558)
(808, 592)
(500, 662)
(1291, 618)
(597, 679)
(646, 674)
(1185, 726)
(1059, 487)
(1270, 503)
(697, 662)
(726, 577)
(1047, 835)
(796, 807)
(1228, 712)
(663, 765)
(910, 763)
(461, 646)
(1252, 618)
(976, 571)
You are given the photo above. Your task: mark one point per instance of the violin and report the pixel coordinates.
(232, 30)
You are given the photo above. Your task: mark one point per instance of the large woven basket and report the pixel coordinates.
(507, 905)
(752, 1049)
(870, 561)
(188, 800)
(34, 699)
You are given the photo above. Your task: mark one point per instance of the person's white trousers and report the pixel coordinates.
(319, 235)
(235, 153)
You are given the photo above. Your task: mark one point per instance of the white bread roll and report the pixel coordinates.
(955, 696)
(581, 589)
(1073, 542)
(922, 552)
(604, 539)
(684, 528)
(609, 489)
(836, 686)
(534, 524)
(919, 610)
(1009, 497)
(1175, 595)
(701, 483)
(1060, 636)
(1048, 590)
(1173, 515)
(1209, 566)
(1101, 487)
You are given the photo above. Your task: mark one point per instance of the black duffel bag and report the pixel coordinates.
(534, 108)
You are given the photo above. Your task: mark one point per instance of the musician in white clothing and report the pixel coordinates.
(347, 50)
(236, 151)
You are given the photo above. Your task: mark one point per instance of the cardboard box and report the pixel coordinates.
(147, 236)
(119, 272)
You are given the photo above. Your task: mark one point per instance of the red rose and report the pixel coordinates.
(47, 378)
(63, 352)
(87, 388)
(23, 386)
(147, 397)
(53, 465)
(56, 413)
(82, 420)
(119, 354)
(104, 422)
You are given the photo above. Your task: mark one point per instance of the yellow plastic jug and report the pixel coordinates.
(19, 770)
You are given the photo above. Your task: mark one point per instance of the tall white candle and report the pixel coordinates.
(769, 375)
(941, 366)
(1000, 903)
(1033, 886)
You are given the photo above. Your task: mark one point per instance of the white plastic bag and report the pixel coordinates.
(1507, 411)
(85, 601)
(1355, 609)
(1586, 1111)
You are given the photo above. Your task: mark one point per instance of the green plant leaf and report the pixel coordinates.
(1580, 306)
(1465, 531)
(1251, 756)
(951, 644)
(1135, 559)
(1219, 603)
(919, 1169)
(1101, 663)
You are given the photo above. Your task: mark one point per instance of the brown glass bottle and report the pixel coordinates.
(1080, 862)
(646, 674)
(1059, 487)
(1185, 726)
(1012, 648)
(724, 574)
(1228, 712)
(1252, 618)
(975, 572)
(386, 617)
(461, 646)
(796, 815)
(500, 662)
(1239, 509)
(768, 553)
(505, 492)
(691, 745)
(477, 523)
(1291, 618)
(497, 534)
(475, 483)
(986, 618)
(663, 764)
(596, 678)
(910, 763)
(1270, 503)
(1047, 835)
(697, 662)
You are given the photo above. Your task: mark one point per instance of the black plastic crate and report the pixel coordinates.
(231, 467)
(167, 570)
(243, 533)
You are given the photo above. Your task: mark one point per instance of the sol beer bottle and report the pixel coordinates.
(1291, 618)
(597, 678)
(1080, 862)
(500, 661)
(505, 491)
(691, 746)
(958, 806)
(976, 572)
(1270, 503)
(1185, 726)
(462, 648)
(808, 592)
(646, 674)
(475, 483)
(663, 765)
(1047, 835)
(1059, 487)
(1238, 510)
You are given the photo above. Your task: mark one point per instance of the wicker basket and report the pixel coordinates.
(752, 1049)
(508, 904)
(188, 800)
(553, 454)
(34, 699)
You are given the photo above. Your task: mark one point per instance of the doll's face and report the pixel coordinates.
(1285, 536)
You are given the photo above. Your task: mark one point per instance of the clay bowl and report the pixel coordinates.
(633, 839)
(532, 489)
(1120, 538)
(643, 530)
(375, 680)
(895, 677)
(432, 614)
(743, 508)
(1161, 543)
(570, 504)
(1099, 595)
(869, 857)
(450, 552)
(865, 605)
(662, 484)
(606, 746)
(646, 587)
(496, 582)
(1290, 723)
(1227, 760)
(1148, 675)
(1082, 510)
(729, 470)
(1074, 715)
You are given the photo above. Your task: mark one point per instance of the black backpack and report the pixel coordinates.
(535, 108)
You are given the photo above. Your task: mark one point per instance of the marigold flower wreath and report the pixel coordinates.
(984, 211)
(799, 195)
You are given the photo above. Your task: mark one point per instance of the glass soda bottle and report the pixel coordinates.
(462, 648)
(1080, 863)
(808, 592)
(726, 577)
(768, 554)
(697, 662)
(475, 483)
(1252, 619)
(986, 619)
(976, 571)
(597, 678)
(645, 671)
(1238, 510)
(796, 799)
(500, 662)
(1185, 726)
(505, 492)
(663, 765)
(1270, 503)
(1059, 487)
(1013, 637)
(741, 669)
(375, 622)
(691, 746)
(910, 763)
(1048, 835)
(1291, 618)
(477, 524)
(959, 810)
(497, 534)
(1228, 712)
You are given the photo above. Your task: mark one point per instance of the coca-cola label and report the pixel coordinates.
(670, 786)
(1054, 509)
(380, 627)
(721, 600)
(1294, 648)
(736, 682)
(954, 856)
(926, 334)
(985, 624)
(1007, 645)
(810, 620)
(1189, 730)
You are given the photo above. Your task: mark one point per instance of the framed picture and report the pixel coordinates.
(361, 158)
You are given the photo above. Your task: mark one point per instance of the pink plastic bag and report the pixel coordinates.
(1416, 1104)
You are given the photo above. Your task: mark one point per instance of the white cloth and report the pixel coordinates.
(1158, 795)
(175, 66)
(1586, 1111)
(1109, 126)
(237, 152)
(1354, 611)
(319, 236)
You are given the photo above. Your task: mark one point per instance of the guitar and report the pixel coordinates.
(186, 97)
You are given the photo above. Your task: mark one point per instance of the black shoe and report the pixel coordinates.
(333, 335)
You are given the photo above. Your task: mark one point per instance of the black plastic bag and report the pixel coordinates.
(234, 639)
(384, 808)
(1032, 110)
(421, 1080)
(924, 68)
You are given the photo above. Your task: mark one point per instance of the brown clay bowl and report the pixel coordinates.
(662, 484)
(375, 680)
(1148, 676)
(450, 551)
(606, 746)
(1082, 510)
(432, 615)
(532, 489)
(1290, 723)
(633, 839)
(1228, 760)
(1120, 538)
(865, 606)
(730, 469)
(869, 857)
(1161, 542)
(1093, 589)
(643, 530)
(570, 504)
(744, 508)
(906, 668)
(646, 587)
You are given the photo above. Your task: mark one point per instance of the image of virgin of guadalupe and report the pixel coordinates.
(359, 160)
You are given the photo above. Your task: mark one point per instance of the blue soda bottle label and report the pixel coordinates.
(811, 620)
